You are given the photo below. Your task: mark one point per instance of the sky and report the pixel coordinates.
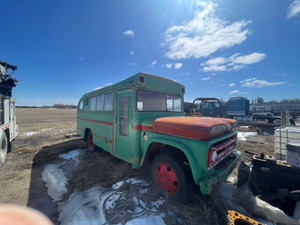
(222, 49)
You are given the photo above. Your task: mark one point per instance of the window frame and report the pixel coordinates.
(165, 97)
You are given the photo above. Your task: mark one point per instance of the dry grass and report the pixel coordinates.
(204, 210)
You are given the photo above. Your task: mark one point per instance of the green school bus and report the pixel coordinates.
(141, 119)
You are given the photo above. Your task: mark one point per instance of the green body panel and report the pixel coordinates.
(102, 134)
(196, 151)
(144, 118)
(215, 177)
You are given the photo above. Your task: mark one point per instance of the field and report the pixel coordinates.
(44, 134)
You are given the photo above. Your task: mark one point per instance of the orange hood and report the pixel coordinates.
(200, 128)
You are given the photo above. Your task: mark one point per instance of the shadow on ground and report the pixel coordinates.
(94, 167)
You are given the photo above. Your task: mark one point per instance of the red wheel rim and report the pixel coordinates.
(167, 178)
(91, 140)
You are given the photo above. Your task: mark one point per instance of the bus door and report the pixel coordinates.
(123, 126)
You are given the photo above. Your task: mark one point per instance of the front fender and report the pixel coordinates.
(176, 144)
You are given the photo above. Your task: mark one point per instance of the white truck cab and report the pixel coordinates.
(8, 126)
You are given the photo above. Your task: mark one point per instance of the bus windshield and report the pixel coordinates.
(148, 101)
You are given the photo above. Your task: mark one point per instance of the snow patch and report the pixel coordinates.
(244, 126)
(231, 180)
(147, 220)
(243, 201)
(242, 135)
(55, 181)
(46, 129)
(72, 155)
(86, 208)
(29, 134)
(83, 208)
(129, 180)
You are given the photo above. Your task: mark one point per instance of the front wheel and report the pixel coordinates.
(172, 177)
(3, 148)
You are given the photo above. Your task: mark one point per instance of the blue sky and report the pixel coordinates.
(220, 48)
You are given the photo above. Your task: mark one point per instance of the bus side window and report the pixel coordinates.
(93, 104)
(86, 104)
(108, 102)
(100, 103)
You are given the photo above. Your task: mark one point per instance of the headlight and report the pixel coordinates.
(214, 156)
(218, 128)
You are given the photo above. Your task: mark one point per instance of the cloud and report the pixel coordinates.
(129, 33)
(248, 59)
(178, 65)
(133, 64)
(234, 62)
(293, 9)
(205, 78)
(214, 68)
(231, 85)
(169, 65)
(152, 64)
(82, 58)
(131, 52)
(255, 83)
(203, 35)
(237, 92)
(234, 92)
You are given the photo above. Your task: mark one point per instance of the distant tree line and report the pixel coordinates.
(260, 100)
(57, 106)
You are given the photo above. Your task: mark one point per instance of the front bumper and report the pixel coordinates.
(219, 173)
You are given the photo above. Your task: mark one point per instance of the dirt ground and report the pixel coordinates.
(46, 133)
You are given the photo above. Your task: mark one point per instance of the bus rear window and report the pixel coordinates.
(80, 106)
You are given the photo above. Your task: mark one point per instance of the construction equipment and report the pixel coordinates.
(209, 106)
(237, 218)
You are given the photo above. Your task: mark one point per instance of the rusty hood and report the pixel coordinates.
(200, 128)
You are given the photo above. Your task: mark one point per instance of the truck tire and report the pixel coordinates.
(171, 176)
(90, 142)
(3, 148)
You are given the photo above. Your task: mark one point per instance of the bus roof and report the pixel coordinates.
(144, 81)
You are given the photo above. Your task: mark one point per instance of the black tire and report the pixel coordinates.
(172, 177)
(3, 148)
(90, 142)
